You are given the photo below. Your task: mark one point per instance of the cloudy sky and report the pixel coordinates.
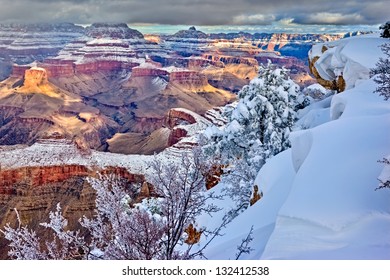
(199, 12)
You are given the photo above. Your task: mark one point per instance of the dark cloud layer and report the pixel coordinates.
(197, 12)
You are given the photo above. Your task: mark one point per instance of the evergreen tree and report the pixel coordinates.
(257, 128)
(260, 124)
(382, 71)
(386, 30)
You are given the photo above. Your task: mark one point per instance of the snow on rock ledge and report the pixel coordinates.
(340, 65)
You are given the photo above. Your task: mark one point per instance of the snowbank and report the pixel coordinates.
(352, 58)
(319, 196)
(275, 180)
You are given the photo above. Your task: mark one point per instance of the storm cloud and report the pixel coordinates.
(197, 12)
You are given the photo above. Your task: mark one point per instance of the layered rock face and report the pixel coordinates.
(34, 179)
(192, 62)
(148, 72)
(187, 78)
(176, 135)
(104, 47)
(232, 54)
(229, 59)
(35, 191)
(38, 176)
(296, 45)
(25, 43)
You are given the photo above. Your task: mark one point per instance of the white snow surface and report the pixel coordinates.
(275, 178)
(319, 197)
(351, 58)
(315, 114)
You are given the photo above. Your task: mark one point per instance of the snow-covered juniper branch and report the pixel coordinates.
(244, 247)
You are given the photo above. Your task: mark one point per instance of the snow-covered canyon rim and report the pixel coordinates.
(319, 198)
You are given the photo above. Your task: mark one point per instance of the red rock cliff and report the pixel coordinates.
(176, 116)
(35, 191)
(148, 72)
(188, 78)
(37, 176)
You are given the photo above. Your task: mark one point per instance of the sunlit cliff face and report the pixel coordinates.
(153, 38)
(35, 77)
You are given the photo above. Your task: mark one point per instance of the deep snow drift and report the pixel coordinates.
(351, 58)
(319, 198)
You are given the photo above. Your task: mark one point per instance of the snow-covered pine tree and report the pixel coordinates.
(382, 78)
(386, 30)
(257, 128)
(382, 71)
(260, 124)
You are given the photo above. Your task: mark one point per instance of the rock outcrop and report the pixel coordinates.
(35, 77)
(332, 85)
(334, 63)
(190, 33)
(213, 176)
(178, 117)
(113, 30)
(176, 135)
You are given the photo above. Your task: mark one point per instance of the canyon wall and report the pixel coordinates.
(35, 191)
